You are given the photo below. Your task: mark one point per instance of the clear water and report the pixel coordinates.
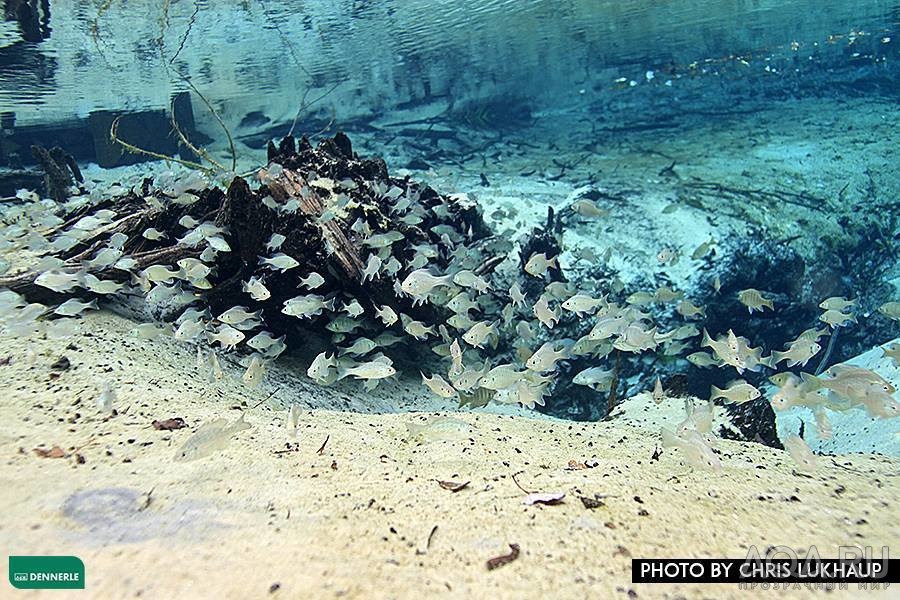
(773, 121)
(117, 55)
(677, 219)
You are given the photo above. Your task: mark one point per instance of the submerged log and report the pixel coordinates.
(326, 202)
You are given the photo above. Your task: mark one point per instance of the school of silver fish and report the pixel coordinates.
(482, 310)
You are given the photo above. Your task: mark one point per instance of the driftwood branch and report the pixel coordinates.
(799, 199)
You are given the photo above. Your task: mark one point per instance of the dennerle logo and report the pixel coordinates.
(46, 572)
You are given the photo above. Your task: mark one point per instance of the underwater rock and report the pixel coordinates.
(120, 515)
(754, 420)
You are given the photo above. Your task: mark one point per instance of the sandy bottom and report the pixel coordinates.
(363, 514)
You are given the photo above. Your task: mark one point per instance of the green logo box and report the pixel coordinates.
(46, 572)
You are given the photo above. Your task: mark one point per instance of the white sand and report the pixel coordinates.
(355, 520)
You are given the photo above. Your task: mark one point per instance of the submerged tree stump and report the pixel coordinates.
(325, 201)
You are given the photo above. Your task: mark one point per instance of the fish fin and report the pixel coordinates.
(239, 425)
(813, 381)
(669, 439)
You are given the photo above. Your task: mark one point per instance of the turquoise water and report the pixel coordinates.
(719, 166)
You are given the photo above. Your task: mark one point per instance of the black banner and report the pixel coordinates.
(739, 570)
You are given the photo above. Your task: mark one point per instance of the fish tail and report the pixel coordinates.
(776, 357)
(715, 392)
(706, 341)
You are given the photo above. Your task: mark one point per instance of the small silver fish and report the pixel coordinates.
(594, 377)
(105, 258)
(694, 447)
(538, 264)
(420, 282)
(516, 295)
(101, 286)
(738, 391)
(149, 331)
(800, 452)
(370, 370)
(582, 304)
(546, 357)
(227, 336)
(542, 311)
(387, 315)
(312, 281)
(836, 318)
(702, 359)
(381, 240)
(188, 222)
(479, 332)
(440, 429)
(353, 308)
(798, 353)
(255, 370)
(72, 307)
(107, 398)
(307, 306)
(754, 300)
(159, 274)
(370, 272)
(891, 310)
(238, 314)
(439, 386)
(210, 438)
(359, 347)
(658, 394)
(417, 329)
(59, 281)
(257, 289)
(263, 340)
(836, 303)
(279, 262)
(153, 234)
(469, 279)
(500, 377)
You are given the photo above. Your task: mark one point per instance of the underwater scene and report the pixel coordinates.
(458, 298)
